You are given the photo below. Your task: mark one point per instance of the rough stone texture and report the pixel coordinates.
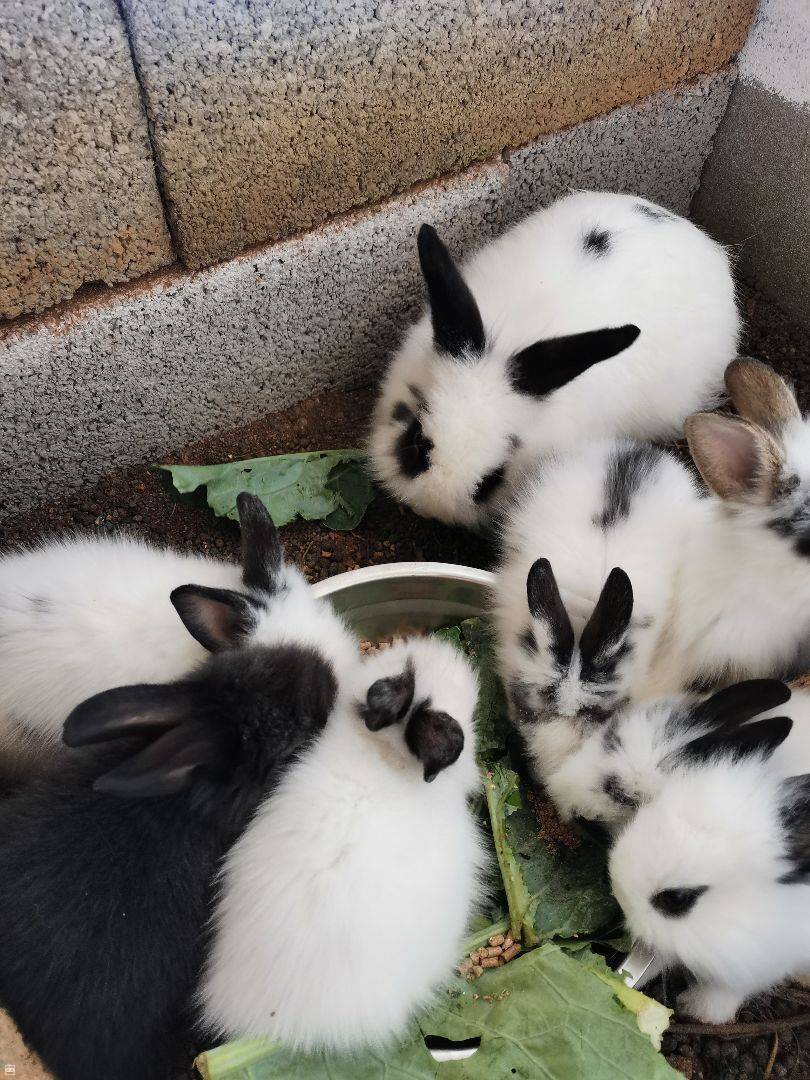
(272, 116)
(80, 198)
(755, 193)
(655, 148)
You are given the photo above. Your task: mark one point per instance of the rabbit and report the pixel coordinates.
(602, 313)
(720, 584)
(622, 763)
(107, 866)
(345, 902)
(714, 874)
(82, 615)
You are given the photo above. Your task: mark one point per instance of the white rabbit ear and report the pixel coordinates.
(217, 618)
(739, 461)
(547, 365)
(457, 324)
(262, 555)
(760, 395)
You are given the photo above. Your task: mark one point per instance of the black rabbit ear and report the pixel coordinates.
(547, 365)
(610, 618)
(262, 555)
(546, 603)
(739, 703)
(127, 710)
(760, 737)
(388, 700)
(217, 618)
(457, 325)
(435, 739)
(167, 766)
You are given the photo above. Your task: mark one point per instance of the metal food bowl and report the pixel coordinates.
(417, 597)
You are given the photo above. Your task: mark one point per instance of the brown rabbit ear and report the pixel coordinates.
(738, 460)
(760, 395)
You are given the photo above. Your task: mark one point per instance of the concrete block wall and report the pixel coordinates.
(755, 193)
(79, 199)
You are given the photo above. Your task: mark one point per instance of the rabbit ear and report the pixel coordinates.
(741, 702)
(217, 618)
(262, 554)
(435, 739)
(167, 765)
(547, 365)
(760, 395)
(736, 459)
(610, 618)
(127, 710)
(546, 603)
(760, 737)
(388, 700)
(457, 325)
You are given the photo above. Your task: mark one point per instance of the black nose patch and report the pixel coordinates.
(413, 450)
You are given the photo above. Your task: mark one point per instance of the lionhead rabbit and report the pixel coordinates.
(714, 874)
(82, 615)
(602, 313)
(346, 900)
(107, 867)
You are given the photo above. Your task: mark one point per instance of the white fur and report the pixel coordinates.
(716, 826)
(82, 615)
(535, 282)
(344, 904)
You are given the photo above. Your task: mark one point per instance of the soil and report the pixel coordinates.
(140, 501)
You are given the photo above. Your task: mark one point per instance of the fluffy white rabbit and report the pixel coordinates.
(720, 585)
(714, 874)
(345, 902)
(81, 615)
(602, 314)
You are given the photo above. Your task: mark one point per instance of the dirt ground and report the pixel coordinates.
(140, 501)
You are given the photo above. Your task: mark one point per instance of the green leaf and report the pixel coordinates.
(332, 486)
(545, 1015)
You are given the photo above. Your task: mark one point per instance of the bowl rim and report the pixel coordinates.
(390, 571)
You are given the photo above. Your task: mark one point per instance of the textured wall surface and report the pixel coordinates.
(158, 363)
(272, 116)
(79, 196)
(755, 193)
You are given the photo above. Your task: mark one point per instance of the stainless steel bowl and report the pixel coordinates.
(410, 597)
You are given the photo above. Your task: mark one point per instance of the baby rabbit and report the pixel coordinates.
(714, 874)
(345, 902)
(720, 585)
(82, 615)
(623, 763)
(107, 868)
(601, 313)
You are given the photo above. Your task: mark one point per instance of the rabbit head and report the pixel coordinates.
(446, 431)
(622, 764)
(419, 699)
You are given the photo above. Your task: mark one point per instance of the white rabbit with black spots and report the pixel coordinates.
(345, 903)
(602, 313)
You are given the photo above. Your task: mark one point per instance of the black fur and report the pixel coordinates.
(457, 325)
(413, 450)
(388, 700)
(793, 522)
(217, 618)
(796, 823)
(434, 738)
(402, 413)
(655, 213)
(528, 641)
(489, 483)
(546, 603)
(596, 242)
(675, 903)
(735, 705)
(104, 900)
(613, 789)
(261, 547)
(628, 469)
(601, 645)
(760, 737)
(547, 365)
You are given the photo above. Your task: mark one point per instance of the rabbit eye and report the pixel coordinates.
(677, 902)
(489, 483)
(413, 449)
